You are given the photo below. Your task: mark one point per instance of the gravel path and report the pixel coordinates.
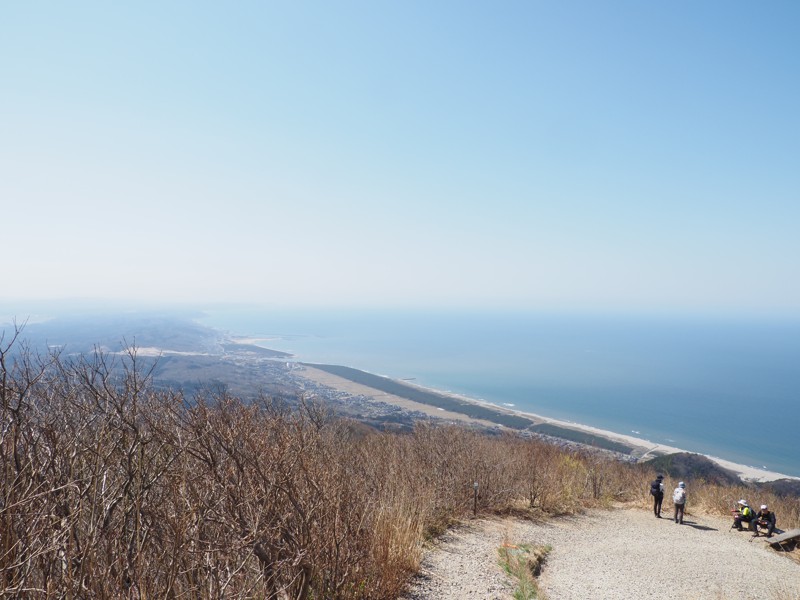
(622, 554)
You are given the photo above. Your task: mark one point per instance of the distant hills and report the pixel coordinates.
(83, 333)
(184, 354)
(692, 467)
(687, 465)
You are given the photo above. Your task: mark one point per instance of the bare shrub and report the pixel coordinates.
(111, 488)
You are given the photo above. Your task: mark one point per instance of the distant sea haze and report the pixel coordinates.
(724, 387)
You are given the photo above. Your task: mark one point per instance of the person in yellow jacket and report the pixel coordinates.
(744, 514)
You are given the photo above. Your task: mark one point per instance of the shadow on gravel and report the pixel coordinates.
(694, 525)
(419, 580)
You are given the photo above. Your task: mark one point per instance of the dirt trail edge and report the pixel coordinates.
(621, 554)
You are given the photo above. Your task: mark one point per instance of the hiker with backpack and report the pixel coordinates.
(679, 499)
(657, 492)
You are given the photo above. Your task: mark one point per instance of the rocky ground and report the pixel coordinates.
(620, 554)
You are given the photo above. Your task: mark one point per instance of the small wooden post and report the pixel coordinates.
(475, 499)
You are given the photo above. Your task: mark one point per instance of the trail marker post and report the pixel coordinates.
(475, 499)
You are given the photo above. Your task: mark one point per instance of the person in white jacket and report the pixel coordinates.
(679, 500)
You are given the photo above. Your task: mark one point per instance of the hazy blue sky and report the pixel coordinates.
(582, 155)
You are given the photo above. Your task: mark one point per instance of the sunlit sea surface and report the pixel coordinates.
(725, 387)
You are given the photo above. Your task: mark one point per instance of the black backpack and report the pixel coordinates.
(655, 488)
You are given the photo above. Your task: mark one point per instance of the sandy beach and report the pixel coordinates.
(642, 449)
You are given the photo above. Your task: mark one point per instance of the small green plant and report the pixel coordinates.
(524, 563)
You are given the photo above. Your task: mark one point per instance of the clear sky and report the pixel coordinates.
(579, 155)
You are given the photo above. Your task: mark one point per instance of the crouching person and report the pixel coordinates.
(744, 514)
(765, 518)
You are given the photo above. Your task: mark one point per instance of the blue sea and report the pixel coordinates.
(719, 386)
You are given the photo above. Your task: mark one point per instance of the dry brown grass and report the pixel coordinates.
(111, 488)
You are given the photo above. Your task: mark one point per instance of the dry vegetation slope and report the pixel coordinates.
(111, 488)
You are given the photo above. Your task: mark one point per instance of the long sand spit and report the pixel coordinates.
(642, 449)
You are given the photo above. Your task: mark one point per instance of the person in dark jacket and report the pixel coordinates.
(657, 491)
(765, 518)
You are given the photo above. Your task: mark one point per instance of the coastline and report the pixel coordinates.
(641, 449)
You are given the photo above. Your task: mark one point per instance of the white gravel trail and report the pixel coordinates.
(620, 554)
